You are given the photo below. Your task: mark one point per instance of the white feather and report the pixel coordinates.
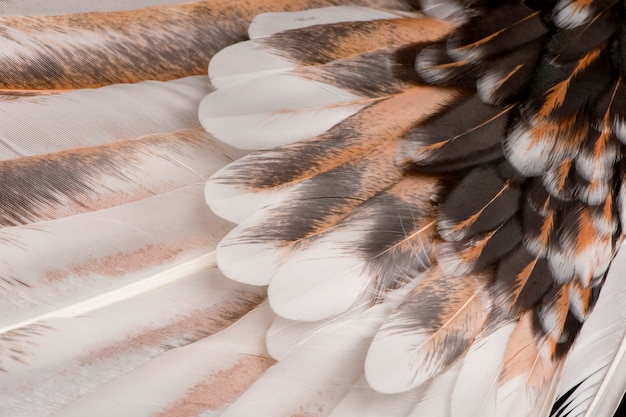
(40, 125)
(122, 245)
(243, 62)
(287, 335)
(236, 204)
(363, 401)
(475, 389)
(268, 24)
(434, 397)
(529, 155)
(306, 289)
(66, 358)
(276, 110)
(176, 380)
(249, 263)
(598, 358)
(450, 10)
(569, 14)
(312, 378)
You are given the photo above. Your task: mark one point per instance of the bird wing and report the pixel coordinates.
(433, 200)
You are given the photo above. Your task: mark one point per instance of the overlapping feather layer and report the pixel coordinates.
(108, 286)
(459, 179)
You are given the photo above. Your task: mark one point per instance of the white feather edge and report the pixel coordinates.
(319, 363)
(475, 389)
(252, 59)
(236, 204)
(363, 401)
(306, 289)
(267, 24)
(434, 397)
(286, 336)
(300, 286)
(598, 357)
(245, 61)
(276, 110)
(94, 116)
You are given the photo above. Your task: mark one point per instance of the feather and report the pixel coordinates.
(364, 401)
(435, 204)
(593, 376)
(527, 372)
(271, 106)
(113, 254)
(419, 340)
(235, 195)
(90, 50)
(268, 24)
(198, 377)
(46, 187)
(533, 261)
(62, 359)
(316, 374)
(434, 397)
(475, 389)
(92, 117)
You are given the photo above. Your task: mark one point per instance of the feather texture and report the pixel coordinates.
(518, 232)
(434, 200)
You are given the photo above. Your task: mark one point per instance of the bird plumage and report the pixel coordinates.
(432, 193)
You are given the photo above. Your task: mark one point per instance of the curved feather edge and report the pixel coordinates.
(268, 24)
(363, 401)
(474, 392)
(270, 55)
(275, 110)
(319, 364)
(594, 374)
